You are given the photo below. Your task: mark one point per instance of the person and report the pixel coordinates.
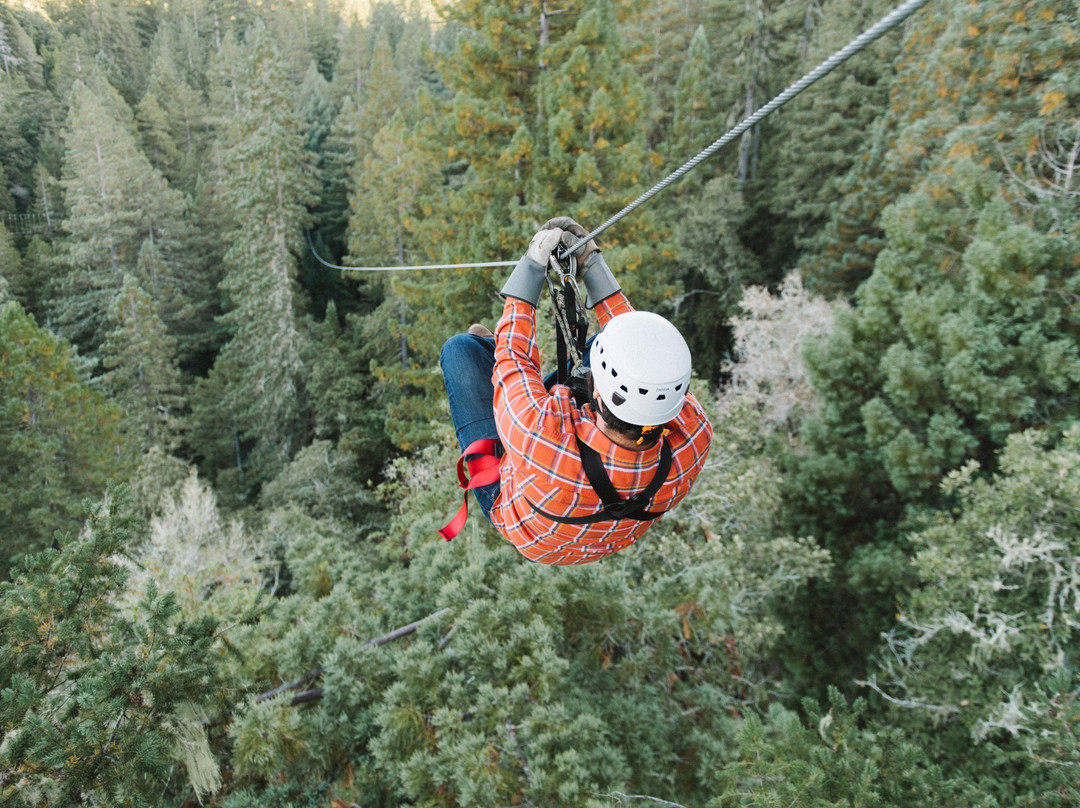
(568, 483)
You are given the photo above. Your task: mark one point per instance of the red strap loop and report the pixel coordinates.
(483, 470)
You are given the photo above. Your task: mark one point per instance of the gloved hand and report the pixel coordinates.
(527, 280)
(572, 234)
(593, 270)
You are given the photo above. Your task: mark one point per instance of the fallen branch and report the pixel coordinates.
(316, 693)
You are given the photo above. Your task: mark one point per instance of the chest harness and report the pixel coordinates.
(482, 456)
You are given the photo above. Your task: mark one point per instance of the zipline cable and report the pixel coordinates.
(883, 26)
(859, 43)
(325, 263)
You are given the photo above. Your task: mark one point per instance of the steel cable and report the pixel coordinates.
(859, 43)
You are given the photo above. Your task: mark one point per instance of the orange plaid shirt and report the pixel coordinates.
(542, 466)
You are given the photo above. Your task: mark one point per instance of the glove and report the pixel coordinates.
(527, 280)
(572, 234)
(593, 270)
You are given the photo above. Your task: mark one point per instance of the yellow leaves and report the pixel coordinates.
(1047, 14)
(1051, 101)
(973, 30)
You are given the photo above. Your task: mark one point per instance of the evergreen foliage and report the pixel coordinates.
(141, 373)
(867, 599)
(62, 440)
(268, 186)
(95, 704)
(836, 757)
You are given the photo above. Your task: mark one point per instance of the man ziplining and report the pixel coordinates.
(568, 483)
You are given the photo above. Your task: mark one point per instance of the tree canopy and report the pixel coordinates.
(223, 463)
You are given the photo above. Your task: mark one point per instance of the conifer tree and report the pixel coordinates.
(832, 127)
(141, 373)
(172, 120)
(31, 278)
(982, 648)
(62, 440)
(111, 35)
(269, 185)
(25, 109)
(115, 200)
(692, 116)
(836, 756)
(10, 262)
(98, 705)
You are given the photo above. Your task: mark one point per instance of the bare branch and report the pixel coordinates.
(620, 797)
(944, 709)
(315, 673)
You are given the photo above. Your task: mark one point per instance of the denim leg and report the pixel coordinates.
(467, 362)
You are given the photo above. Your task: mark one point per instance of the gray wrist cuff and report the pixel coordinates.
(526, 282)
(600, 283)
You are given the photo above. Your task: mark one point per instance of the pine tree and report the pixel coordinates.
(111, 35)
(270, 184)
(832, 126)
(62, 440)
(115, 200)
(693, 103)
(144, 679)
(172, 119)
(32, 278)
(141, 373)
(10, 264)
(836, 756)
(25, 109)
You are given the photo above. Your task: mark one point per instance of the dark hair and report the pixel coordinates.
(646, 436)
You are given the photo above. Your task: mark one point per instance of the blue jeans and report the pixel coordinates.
(467, 362)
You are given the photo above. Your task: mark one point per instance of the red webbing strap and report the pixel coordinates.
(483, 470)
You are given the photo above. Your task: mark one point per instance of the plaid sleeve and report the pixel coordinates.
(520, 397)
(612, 306)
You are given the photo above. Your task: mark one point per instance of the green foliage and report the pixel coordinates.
(116, 202)
(961, 337)
(981, 643)
(62, 440)
(835, 757)
(96, 704)
(141, 373)
(542, 685)
(935, 172)
(268, 186)
(718, 265)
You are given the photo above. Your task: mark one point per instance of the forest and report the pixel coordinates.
(223, 462)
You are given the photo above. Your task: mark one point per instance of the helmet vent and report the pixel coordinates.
(661, 397)
(623, 388)
(678, 387)
(643, 391)
(603, 365)
(614, 373)
(617, 399)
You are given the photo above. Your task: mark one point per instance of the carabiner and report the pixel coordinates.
(564, 262)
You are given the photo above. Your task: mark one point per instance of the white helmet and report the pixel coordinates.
(641, 368)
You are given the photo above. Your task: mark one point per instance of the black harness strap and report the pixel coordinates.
(571, 329)
(614, 506)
